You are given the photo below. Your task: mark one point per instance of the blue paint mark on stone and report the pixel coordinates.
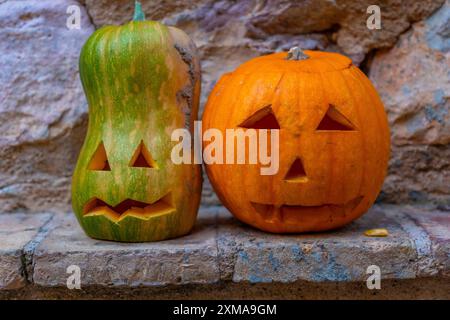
(260, 268)
(253, 278)
(406, 90)
(256, 273)
(331, 271)
(403, 273)
(297, 253)
(335, 272)
(243, 255)
(317, 255)
(438, 34)
(185, 256)
(274, 262)
(435, 114)
(439, 96)
(10, 190)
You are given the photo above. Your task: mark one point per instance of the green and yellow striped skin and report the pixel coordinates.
(132, 76)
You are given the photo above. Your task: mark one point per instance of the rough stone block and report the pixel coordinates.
(432, 237)
(344, 255)
(16, 232)
(189, 259)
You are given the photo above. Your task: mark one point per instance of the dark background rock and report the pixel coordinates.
(413, 79)
(43, 110)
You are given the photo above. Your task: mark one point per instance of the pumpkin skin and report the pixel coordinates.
(333, 138)
(142, 81)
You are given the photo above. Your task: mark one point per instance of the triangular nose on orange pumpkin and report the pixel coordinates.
(296, 172)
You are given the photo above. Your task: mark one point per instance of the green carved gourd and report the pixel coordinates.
(142, 81)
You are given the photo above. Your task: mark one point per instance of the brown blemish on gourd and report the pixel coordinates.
(185, 95)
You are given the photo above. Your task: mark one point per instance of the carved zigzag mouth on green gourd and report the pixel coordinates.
(128, 208)
(272, 212)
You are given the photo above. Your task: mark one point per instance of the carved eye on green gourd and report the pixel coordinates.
(142, 81)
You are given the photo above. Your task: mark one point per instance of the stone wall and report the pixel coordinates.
(43, 111)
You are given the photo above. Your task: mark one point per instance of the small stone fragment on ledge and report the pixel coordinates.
(380, 232)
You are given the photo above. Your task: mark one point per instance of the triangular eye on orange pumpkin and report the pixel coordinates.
(99, 160)
(334, 120)
(296, 172)
(142, 158)
(262, 119)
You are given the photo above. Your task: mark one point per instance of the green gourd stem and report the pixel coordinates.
(138, 13)
(295, 53)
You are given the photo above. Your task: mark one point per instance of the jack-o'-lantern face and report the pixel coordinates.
(140, 88)
(333, 141)
(140, 164)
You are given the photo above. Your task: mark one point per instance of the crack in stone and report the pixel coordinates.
(29, 249)
(90, 18)
(216, 242)
(422, 244)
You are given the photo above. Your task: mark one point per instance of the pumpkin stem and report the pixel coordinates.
(296, 53)
(138, 13)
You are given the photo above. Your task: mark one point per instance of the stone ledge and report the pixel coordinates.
(188, 260)
(417, 246)
(37, 249)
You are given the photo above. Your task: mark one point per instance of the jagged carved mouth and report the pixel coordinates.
(128, 208)
(271, 212)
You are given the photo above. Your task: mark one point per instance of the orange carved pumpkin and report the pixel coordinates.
(333, 141)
